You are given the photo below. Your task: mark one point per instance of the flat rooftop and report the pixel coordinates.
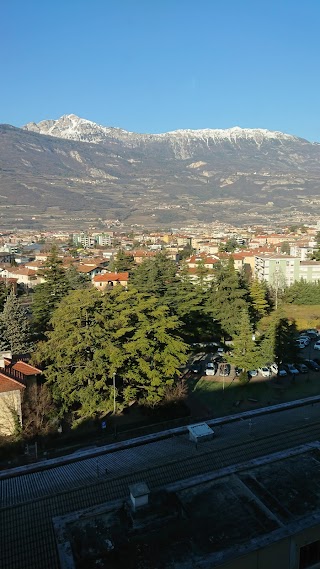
(31, 500)
(202, 522)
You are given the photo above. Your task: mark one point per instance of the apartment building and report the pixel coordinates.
(284, 270)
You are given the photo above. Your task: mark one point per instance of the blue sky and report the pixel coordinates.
(159, 65)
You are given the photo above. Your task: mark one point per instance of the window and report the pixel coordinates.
(310, 555)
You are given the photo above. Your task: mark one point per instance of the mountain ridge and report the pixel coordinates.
(154, 180)
(71, 127)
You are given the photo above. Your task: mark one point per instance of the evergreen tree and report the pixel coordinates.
(15, 326)
(258, 300)
(155, 276)
(303, 292)
(227, 298)
(245, 353)
(278, 342)
(187, 300)
(95, 336)
(47, 295)
(76, 280)
(202, 272)
(122, 262)
(4, 292)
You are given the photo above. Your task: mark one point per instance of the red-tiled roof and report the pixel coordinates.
(9, 384)
(23, 271)
(86, 268)
(26, 369)
(111, 277)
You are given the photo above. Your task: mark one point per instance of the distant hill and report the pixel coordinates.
(75, 170)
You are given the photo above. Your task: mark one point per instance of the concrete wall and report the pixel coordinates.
(9, 401)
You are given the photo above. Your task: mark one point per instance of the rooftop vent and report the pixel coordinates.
(200, 432)
(139, 495)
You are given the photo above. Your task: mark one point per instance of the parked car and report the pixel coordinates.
(312, 332)
(224, 369)
(253, 372)
(211, 368)
(274, 368)
(282, 372)
(264, 371)
(291, 369)
(238, 370)
(196, 368)
(302, 368)
(304, 339)
(311, 364)
(316, 345)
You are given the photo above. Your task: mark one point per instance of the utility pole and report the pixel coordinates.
(114, 393)
(114, 405)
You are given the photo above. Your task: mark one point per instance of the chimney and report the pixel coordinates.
(139, 495)
(3, 356)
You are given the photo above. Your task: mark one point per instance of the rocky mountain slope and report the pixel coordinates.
(74, 169)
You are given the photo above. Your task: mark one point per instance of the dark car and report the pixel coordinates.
(312, 365)
(302, 368)
(238, 370)
(224, 369)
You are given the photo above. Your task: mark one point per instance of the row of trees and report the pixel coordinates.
(137, 339)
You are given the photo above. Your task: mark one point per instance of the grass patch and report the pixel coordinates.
(236, 397)
(306, 316)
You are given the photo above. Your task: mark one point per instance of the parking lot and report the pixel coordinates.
(221, 394)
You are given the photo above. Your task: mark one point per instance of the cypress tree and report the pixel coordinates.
(15, 325)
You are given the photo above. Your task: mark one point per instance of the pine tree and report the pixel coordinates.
(15, 324)
(48, 294)
(226, 298)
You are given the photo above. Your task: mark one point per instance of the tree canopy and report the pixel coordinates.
(95, 336)
(227, 297)
(15, 328)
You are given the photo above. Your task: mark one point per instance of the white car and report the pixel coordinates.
(316, 345)
(264, 371)
(274, 368)
(211, 368)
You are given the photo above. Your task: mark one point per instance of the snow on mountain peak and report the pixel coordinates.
(75, 128)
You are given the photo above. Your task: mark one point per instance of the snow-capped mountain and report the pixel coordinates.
(57, 167)
(181, 142)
